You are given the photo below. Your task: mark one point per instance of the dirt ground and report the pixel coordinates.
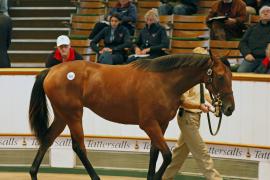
(54, 176)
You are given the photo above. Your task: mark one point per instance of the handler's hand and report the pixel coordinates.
(204, 108)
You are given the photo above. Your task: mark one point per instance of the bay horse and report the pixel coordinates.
(145, 93)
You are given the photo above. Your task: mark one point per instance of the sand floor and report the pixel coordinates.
(54, 176)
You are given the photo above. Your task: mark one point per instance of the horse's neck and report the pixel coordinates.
(187, 78)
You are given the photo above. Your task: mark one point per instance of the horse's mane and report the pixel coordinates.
(170, 62)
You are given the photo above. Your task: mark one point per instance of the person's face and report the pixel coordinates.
(265, 15)
(227, 1)
(150, 20)
(123, 2)
(64, 50)
(114, 22)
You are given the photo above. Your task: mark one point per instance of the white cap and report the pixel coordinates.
(62, 40)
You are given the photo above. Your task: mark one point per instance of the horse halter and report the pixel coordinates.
(216, 100)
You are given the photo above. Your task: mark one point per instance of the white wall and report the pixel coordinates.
(248, 125)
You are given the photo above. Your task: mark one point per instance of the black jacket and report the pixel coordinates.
(120, 42)
(5, 39)
(154, 38)
(255, 40)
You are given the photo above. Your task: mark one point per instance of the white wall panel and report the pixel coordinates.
(248, 125)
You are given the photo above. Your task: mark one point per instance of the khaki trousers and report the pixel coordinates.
(190, 140)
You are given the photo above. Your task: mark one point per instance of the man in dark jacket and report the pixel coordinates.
(179, 7)
(5, 39)
(63, 53)
(254, 42)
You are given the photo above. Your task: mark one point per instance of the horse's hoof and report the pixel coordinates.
(33, 177)
(96, 178)
(157, 178)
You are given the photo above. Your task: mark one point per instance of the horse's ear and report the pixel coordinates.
(210, 52)
(225, 61)
(213, 57)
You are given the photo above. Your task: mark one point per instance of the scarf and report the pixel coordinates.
(71, 56)
(266, 62)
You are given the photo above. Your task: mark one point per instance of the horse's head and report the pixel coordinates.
(218, 80)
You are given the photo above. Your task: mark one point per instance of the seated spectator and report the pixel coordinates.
(63, 53)
(254, 42)
(5, 39)
(116, 38)
(152, 39)
(4, 7)
(127, 12)
(179, 7)
(232, 25)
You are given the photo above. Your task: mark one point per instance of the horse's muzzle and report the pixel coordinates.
(228, 109)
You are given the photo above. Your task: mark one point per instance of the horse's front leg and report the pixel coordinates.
(167, 158)
(152, 162)
(155, 132)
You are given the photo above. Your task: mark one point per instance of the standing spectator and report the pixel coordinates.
(232, 27)
(152, 39)
(4, 7)
(178, 7)
(5, 39)
(254, 42)
(116, 38)
(63, 53)
(127, 12)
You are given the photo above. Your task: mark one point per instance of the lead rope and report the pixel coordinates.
(202, 100)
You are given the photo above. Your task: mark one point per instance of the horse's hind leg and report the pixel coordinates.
(78, 146)
(54, 130)
(155, 133)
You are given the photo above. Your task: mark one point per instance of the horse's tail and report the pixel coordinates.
(38, 111)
